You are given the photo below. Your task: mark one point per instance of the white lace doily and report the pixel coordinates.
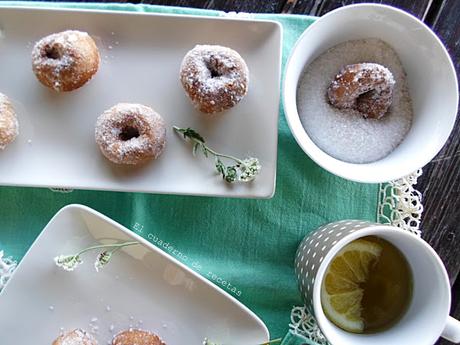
(304, 324)
(400, 205)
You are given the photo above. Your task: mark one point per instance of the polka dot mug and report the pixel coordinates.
(428, 315)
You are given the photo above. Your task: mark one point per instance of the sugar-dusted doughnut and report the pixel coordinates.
(66, 60)
(366, 87)
(75, 337)
(130, 133)
(9, 127)
(136, 337)
(215, 78)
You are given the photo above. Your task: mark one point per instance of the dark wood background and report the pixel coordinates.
(440, 182)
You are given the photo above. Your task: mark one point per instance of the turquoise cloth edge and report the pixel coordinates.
(292, 338)
(256, 263)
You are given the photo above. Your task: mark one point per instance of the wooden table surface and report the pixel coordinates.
(440, 182)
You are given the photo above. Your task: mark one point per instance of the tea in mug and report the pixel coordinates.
(367, 286)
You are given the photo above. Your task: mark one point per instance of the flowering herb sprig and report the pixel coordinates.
(71, 262)
(243, 170)
(274, 341)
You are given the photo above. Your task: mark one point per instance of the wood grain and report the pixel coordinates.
(440, 182)
(254, 6)
(319, 7)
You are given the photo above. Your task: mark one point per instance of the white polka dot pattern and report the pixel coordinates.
(314, 248)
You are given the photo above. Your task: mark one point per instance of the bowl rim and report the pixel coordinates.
(339, 167)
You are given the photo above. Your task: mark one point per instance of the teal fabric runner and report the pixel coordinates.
(292, 338)
(248, 244)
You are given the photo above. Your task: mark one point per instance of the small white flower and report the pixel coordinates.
(102, 260)
(250, 169)
(68, 262)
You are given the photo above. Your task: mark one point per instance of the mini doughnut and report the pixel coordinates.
(66, 60)
(365, 87)
(136, 337)
(130, 133)
(215, 78)
(9, 127)
(75, 337)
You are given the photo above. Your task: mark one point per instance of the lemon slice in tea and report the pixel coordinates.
(341, 292)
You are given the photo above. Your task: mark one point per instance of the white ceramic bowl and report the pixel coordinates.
(430, 74)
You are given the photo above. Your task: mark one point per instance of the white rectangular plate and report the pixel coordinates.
(141, 56)
(141, 287)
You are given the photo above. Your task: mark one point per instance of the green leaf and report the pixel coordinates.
(220, 167)
(195, 148)
(192, 134)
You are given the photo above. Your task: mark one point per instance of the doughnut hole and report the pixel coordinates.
(128, 133)
(215, 68)
(53, 51)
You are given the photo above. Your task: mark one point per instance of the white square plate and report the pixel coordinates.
(140, 287)
(141, 56)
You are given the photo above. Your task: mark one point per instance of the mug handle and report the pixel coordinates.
(451, 331)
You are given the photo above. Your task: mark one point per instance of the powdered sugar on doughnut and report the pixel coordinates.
(130, 133)
(214, 77)
(136, 337)
(75, 337)
(65, 61)
(9, 126)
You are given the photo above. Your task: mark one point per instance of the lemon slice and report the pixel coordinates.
(341, 294)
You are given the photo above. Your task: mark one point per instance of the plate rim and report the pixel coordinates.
(122, 11)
